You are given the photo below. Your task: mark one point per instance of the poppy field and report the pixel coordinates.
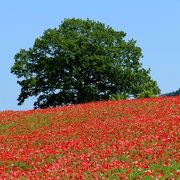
(126, 139)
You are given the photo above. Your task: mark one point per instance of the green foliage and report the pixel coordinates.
(174, 93)
(22, 165)
(146, 94)
(119, 96)
(80, 61)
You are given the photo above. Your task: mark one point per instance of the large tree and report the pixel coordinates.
(80, 61)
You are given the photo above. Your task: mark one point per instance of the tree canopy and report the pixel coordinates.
(80, 61)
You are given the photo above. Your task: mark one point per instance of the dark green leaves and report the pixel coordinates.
(80, 61)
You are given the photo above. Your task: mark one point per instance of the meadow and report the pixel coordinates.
(126, 139)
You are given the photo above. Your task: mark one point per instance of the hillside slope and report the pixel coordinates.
(174, 93)
(115, 139)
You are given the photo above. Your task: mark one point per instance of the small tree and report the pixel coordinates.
(80, 61)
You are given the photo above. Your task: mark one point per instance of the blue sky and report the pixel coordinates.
(155, 24)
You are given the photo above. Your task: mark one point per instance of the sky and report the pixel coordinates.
(154, 24)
